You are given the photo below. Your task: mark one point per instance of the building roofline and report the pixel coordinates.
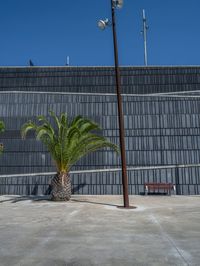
(142, 67)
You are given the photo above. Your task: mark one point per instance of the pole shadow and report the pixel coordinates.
(95, 203)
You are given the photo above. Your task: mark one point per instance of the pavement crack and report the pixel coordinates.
(170, 240)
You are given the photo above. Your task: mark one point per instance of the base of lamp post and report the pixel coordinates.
(127, 208)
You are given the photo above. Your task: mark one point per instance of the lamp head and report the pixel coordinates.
(102, 24)
(118, 3)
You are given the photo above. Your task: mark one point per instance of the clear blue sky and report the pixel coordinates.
(48, 30)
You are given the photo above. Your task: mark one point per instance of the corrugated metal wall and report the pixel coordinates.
(159, 130)
(140, 80)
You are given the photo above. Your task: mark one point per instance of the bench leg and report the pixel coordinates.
(174, 190)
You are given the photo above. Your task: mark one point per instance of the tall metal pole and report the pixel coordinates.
(145, 28)
(120, 112)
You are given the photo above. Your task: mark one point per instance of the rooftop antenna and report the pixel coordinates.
(67, 64)
(144, 33)
(30, 62)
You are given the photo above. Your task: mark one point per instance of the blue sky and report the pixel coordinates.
(48, 30)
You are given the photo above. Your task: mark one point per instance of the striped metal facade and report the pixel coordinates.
(160, 131)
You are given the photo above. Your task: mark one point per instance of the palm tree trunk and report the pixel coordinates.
(61, 187)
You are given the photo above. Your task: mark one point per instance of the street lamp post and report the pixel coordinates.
(102, 24)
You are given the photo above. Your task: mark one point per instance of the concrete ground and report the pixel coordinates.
(90, 230)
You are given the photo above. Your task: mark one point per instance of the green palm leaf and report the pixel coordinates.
(67, 141)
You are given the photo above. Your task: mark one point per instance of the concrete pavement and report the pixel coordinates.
(90, 230)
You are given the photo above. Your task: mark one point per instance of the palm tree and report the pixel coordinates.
(2, 128)
(67, 142)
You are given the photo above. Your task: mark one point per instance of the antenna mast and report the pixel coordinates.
(144, 33)
(67, 63)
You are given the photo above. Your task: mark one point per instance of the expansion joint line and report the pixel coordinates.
(166, 236)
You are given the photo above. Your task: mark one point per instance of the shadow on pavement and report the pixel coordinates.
(47, 198)
(24, 198)
(94, 202)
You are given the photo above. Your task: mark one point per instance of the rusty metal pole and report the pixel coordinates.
(120, 112)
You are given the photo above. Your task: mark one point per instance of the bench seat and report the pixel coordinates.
(165, 187)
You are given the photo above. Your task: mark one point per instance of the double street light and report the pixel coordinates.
(102, 24)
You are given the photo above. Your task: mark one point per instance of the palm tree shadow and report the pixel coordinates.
(77, 188)
(34, 197)
(47, 198)
(24, 198)
(7, 200)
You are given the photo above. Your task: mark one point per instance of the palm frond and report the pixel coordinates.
(76, 121)
(44, 130)
(87, 144)
(64, 120)
(56, 119)
(42, 118)
(27, 127)
(87, 126)
(68, 142)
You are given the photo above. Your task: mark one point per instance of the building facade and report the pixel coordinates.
(162, 126)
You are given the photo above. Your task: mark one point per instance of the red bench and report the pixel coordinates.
(158, 187)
